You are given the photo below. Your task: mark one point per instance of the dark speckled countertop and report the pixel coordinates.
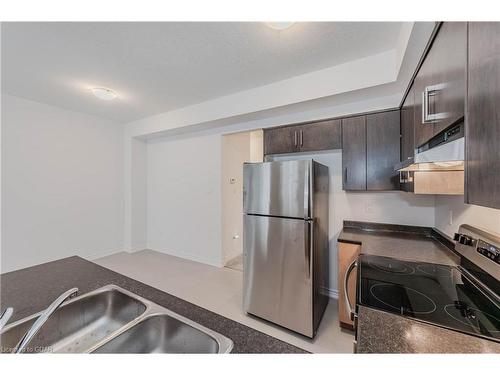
(383, 332)
(32, 289)
(419, 244)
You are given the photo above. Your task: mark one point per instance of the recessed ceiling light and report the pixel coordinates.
(104, 93)
(280, 25)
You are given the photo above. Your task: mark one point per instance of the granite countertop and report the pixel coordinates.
(382, 332)
(418, 244)
(32, 289)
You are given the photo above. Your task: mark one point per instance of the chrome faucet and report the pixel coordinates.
(5, 316)
(42, 319)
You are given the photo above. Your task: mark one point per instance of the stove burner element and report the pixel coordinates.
(477, 319)
(403, 299)
(437, 270)
(393, 266)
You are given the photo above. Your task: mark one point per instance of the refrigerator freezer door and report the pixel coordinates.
(277, 271)
(279, 188)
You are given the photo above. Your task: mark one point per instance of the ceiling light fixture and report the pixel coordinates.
(280, 25)
(104, 93)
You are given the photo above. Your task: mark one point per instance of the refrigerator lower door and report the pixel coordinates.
(278, 271)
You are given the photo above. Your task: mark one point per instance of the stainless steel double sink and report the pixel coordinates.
(114, 320)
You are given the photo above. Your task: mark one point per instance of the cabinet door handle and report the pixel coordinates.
(429, 91)
(345, 175)
(301, 137)
(295, 138)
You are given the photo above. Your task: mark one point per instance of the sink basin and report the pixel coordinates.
(163, 334)
(79, 324)
(114, 320)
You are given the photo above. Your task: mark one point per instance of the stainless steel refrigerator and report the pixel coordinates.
(285, 244)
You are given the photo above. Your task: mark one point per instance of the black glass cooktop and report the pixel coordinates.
(429, 292)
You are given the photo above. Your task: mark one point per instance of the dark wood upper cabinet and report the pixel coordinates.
(440, 83)
(451, 61)
(408, 125)
(382, 150)
(423, 131)
(354, 153)
(482, 125)
(314, 136)
(281, 140)
(324, 135)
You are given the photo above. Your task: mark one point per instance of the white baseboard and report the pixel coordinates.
(332, 293)
(192, 257)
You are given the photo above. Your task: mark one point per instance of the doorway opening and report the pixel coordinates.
(237, 148)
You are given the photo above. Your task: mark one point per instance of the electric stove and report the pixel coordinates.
(464, 298)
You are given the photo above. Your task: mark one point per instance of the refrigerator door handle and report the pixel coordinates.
(308, 245)
(306, 194)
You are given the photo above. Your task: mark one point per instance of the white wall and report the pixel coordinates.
(451, 211)
(382, 207)
(236, 150)
(62, 184)
(138, 216)
(183, 200)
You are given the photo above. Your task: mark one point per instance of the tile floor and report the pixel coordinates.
(220, 290)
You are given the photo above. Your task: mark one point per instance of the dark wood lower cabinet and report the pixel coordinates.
(482, 122)
(382, 150)
(354, 153)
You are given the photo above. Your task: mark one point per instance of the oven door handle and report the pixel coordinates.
(351, 267)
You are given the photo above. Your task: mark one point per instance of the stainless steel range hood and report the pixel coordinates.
(446, 154)
(445, 147)
(437, 167)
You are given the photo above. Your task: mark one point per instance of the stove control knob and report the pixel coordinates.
(465, 240)
(456, 237)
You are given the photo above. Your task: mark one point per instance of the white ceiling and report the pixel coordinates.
(158, 67)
